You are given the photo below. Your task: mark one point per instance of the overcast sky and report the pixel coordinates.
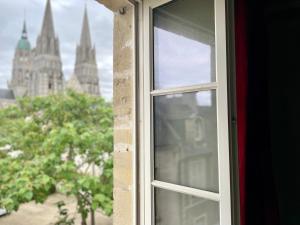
(67, 15)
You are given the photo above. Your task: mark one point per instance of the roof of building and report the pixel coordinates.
(7, 94)
(24, 45)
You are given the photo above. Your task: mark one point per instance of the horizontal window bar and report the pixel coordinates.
(187, 190)
(194, 88)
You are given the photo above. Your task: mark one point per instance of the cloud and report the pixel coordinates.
(59, 5)
(67, 15)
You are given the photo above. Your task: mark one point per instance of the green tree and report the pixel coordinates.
(52, 143)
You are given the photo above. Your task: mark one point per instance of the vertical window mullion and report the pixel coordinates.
(222, 112)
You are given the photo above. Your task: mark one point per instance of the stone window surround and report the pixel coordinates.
(124, 103)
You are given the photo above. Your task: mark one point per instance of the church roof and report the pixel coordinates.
(24, 43)
(7, 94)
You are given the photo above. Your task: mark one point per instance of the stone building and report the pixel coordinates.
(39, 71)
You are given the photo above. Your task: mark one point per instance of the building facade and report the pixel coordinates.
(46, 76)
(38, 71)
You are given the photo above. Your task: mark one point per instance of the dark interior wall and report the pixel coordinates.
(259, 180)
(273, 121)
(284, 97)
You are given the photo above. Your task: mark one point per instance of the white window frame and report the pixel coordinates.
(147, 182)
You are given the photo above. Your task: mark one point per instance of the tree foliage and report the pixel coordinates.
(64, 215)
(49, 143)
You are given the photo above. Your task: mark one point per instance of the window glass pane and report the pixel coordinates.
(179, 209)
(185, 139)
(184, 52)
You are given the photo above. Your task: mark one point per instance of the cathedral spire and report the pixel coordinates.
(48, 27)
(24, 31)
(24, 43)
(86, 70)
(85, 40)
(47, 43)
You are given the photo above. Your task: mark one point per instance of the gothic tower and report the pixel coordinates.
(47, 76)
(86, 70)
(21, 66)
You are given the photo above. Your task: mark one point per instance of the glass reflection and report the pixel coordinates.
(179, 209)
(184, 51)
(185, 140)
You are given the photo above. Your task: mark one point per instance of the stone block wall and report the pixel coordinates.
(123, 100)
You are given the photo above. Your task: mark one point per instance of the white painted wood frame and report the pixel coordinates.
(146, 116)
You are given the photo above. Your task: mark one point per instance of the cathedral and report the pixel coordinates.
(38, 71)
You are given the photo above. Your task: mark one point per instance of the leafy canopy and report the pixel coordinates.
(51, 143)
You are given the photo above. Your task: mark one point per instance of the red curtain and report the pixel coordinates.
(241, 90)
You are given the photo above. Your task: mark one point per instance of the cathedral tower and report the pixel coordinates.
(86, 70)
(47, 76)
(21, 66)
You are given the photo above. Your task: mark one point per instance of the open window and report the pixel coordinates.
(185, 149)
